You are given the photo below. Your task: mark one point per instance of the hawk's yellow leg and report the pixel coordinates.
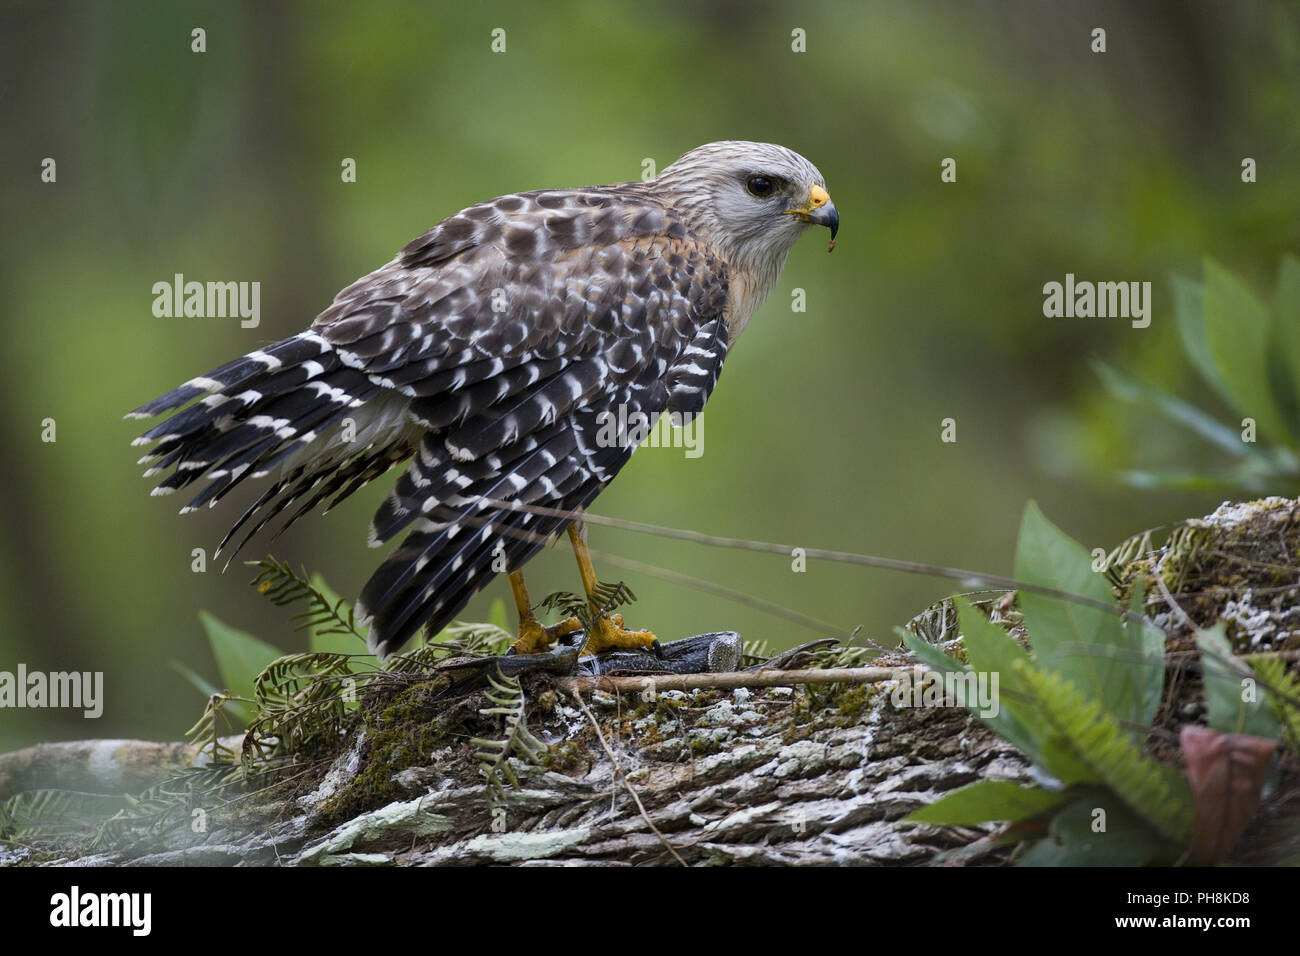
(535, 637)
(608, 632)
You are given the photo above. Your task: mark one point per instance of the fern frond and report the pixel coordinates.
(754, 652)
(1126, 552)
(283, 586)
(1283, 691)
(169, 804)
(610, 597)
(843, 655)
(417, 660)
(205, 735)
(506, 696)
(937, 624)
(50, 814)
(607, 598)
(301, 704)
(1156, 792)
(473, 639)
(566, 604)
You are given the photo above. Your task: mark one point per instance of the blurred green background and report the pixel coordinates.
(824, 431)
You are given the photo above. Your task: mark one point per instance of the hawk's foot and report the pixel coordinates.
(608, 634)
(537, 638)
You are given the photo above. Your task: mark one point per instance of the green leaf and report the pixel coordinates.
(1283, 694)
(241, 657)
(1128, 389)
(1285, 350)
(1192, 481)
(929, 655)
(1061, 761)
(1286, 310)
(1150, 641)
(1075, 840)
(1286, 295)
(205, 687)
(1088, 646)
(1009, 722)
(1189, 311)
(1238, 332)
(988, 801)
(991, 650)
(497, 616)
(1227, 680)
(1155, 791)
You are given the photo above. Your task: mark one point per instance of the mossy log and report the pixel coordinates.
(725, 777)
(817, 774)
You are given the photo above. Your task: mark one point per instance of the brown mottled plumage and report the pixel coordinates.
(487, 351)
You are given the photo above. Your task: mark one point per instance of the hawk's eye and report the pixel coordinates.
(761, 186)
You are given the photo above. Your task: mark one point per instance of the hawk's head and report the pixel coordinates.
(752, 199)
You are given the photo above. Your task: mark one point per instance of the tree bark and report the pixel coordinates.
(801, 774)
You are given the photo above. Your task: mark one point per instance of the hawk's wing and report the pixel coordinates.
(523, 337)
(489, 349)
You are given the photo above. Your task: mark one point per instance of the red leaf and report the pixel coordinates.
(1227, 773)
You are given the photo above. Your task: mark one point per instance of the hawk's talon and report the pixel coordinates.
(609, 634)
(535, 638)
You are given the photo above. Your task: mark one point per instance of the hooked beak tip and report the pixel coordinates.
(827, 216)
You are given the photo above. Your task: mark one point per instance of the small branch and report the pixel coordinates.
(730, 679)
(618, 769)
(1173, 604)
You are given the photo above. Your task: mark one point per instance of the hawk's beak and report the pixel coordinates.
(819, 210)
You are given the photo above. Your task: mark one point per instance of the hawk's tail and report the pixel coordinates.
(469, 522)
(260, 412)
(442, 570)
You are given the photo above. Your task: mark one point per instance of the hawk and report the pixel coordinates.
(492, 353)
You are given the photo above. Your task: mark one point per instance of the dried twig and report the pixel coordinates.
(618, 769)
(1173, 604)
(726, 680)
